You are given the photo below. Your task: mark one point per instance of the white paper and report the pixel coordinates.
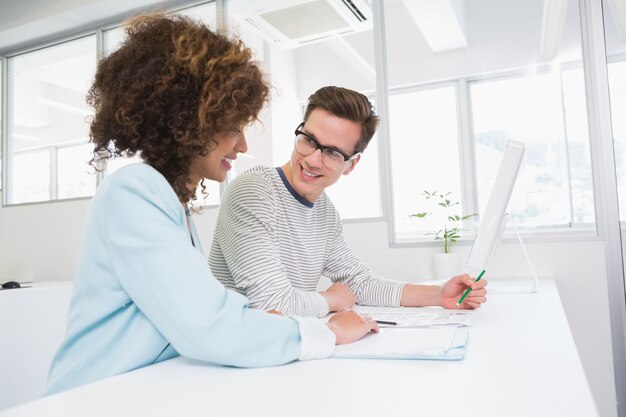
(420, 316)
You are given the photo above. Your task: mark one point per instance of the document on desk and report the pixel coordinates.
(440, 343)
(420, 316)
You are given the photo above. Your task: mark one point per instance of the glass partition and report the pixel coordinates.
(615, 39)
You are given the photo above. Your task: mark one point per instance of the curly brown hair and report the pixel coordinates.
(168, 90)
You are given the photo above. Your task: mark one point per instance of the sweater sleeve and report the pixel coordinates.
(246, 246)
(169, 281)
(345, 267)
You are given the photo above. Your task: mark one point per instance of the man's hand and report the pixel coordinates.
(454, 288)
(338, 297)
(349, 326)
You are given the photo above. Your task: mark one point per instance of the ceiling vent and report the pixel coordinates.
(310, 21)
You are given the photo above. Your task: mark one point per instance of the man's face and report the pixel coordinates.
(307, 174)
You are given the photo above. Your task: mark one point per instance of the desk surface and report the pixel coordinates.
(520, 361)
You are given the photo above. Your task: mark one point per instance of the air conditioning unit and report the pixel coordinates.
(310, 21)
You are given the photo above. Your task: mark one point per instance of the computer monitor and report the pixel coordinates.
(493, 217)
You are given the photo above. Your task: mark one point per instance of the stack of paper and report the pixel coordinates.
(420, 317)
(440, 343)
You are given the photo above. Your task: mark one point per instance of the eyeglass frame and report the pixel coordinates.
(321, 147)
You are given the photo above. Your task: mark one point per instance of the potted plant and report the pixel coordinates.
(446, 263)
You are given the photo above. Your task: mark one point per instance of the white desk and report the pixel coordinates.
(520, 361)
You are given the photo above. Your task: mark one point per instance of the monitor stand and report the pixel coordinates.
(497, 286)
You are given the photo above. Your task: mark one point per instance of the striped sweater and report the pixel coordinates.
(272, 245)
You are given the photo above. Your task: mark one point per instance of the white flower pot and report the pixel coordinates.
(447, 265)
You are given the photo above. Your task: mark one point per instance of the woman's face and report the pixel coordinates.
(218, 161)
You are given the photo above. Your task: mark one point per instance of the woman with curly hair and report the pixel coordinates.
(180, 96)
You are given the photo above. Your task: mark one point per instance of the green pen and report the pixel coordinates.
(467, 291)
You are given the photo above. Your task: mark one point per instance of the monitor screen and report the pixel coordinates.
(492, 218)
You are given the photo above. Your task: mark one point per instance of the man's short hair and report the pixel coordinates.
(346, 104)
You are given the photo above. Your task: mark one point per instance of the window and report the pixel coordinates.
(48, 124)
(554, 186)
(31, 176)
(424, 155)
(75, 176)
(518, 85)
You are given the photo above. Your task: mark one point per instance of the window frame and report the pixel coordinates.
(467, 160)
(7, 143)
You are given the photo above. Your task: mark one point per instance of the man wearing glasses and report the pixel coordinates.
(277, 231)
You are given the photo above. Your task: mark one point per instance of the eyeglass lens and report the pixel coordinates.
(306, 146)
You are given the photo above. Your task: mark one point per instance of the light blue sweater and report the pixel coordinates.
(144, 294)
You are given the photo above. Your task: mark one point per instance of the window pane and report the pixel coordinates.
(48, 102)
(424, 156)
(577, 135)
(76, 178)
(31, 176)
(302, 53)
(535, 116)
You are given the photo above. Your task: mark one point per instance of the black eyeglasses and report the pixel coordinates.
(331, 157)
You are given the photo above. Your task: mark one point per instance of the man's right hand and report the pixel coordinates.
(339, 297)
(349, 326)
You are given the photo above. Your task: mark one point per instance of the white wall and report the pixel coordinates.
(41, 242)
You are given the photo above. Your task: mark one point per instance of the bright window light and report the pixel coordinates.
(424, 156)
